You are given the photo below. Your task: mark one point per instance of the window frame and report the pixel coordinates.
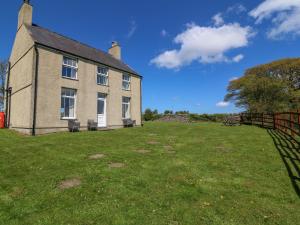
(69, 97)
(129, 107)
(126, 81)
(104, 75)
(102, 96)
(70, 66)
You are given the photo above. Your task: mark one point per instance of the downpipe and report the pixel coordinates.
(35, 90)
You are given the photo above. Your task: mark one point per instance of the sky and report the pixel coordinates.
(186, 51)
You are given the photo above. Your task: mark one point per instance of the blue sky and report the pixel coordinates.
(187, 52)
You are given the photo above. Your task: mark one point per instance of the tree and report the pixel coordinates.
(285, 69)
(268, 88)
(182, 113)
(3, 68)
(151, 115)
(168, 112)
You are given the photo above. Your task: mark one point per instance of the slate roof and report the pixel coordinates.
(59, 42)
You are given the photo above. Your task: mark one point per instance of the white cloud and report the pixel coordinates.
(233, 78)
(132, 29)
(218, 19)
(222, 104)
(164, 33)
(238, 58)
(204, 44)
(284, 14)
(237, 8)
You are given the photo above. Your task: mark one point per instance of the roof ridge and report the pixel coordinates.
(63, 43)
(79, 42)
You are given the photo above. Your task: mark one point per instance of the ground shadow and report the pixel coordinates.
(289, 150)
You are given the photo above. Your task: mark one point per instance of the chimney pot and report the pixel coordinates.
(114, 43)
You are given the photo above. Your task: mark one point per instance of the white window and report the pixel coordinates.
(68, 103)
(125, 108)
(102, 76)
(126, 82)
(69, 68)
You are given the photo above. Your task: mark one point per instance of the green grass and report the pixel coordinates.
(218, 175)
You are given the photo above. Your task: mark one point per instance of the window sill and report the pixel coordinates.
(67, 78)
(126, 89)
(103, 85)
(68, 118)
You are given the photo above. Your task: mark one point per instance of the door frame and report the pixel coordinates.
(104, 99)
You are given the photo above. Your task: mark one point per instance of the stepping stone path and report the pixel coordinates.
(153, 142)
(143, 151)
(171, 152)
(169, 149)
(223, 149)
(173, 223)
(17, 191)
(96, 156)
(116, 165)
(171, 139)
(70, 183)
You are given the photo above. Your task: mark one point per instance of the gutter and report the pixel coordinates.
(7, 118)
(35, 89)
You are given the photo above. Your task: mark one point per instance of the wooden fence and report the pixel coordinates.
(287, 122)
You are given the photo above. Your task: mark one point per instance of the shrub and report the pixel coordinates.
(168, 112)
(150, 115)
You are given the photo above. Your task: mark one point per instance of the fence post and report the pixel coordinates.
(274, 121)
(292, 123)
(285, 123)
(298, 117)
(262, 120)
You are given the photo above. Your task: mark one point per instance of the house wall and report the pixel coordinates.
(50, 82)
(21, 78)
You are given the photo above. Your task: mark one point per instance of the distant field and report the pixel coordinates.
(163, 173)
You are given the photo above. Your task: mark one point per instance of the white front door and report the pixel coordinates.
(101, 110)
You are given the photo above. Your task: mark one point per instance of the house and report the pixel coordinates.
(53, 79)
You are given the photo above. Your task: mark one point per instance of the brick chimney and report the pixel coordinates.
(115, 50)
(25, 14)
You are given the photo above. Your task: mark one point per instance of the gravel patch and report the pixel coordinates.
(153, 142)
(143, 151)
(223, 149)
(116, 165)
(96, 156)
(70, 183)
(170, 152)
(168, 147)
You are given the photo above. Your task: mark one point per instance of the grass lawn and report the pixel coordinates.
(201, 173)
